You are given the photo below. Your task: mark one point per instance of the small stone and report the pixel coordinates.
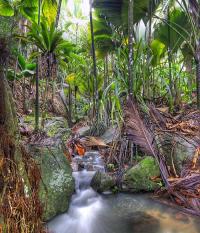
(102, 182)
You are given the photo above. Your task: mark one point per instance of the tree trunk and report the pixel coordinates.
(70, 104)
(188, 69)
(96, 95)
(149, 81)
(37, 104)
(58, 13)
(171, 85)
(198, 82)
(194, 8)
(106, 112)
(130, 45)
(68, 114)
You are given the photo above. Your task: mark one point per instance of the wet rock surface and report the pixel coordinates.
(102, 182)
(138, 178)
(57, 183)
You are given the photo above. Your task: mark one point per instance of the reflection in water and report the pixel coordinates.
(90, 212)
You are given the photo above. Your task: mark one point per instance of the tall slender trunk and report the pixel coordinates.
(149, 81)
(76, 87)
(195, 14)
(171, 96)
(75, 101)
(58, 13)
(96, 95)
(37, 104)
(56, 25)
(188, 69)
(66, 105)
(70, 103)
(198, 81)
(106, 112)
(2, 98)
(130, 45)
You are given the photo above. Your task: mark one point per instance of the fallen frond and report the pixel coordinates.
(141, 136)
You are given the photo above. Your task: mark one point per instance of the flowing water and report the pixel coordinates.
(90, 212)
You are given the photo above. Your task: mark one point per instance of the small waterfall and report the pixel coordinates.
(85, 203)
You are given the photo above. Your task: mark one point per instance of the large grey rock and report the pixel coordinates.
(111, 134)
(177, 150)
(138, 178)
(57, 183)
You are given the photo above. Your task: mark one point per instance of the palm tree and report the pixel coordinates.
(123, 15)
(51, 49)
(184, 32)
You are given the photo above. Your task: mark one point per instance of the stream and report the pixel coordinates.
(90, 212)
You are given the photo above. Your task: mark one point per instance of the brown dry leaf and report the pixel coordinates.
(92, 141)
(164, 109)
(172, 179)
(195, 158)
(187, 127)
(1, 165)
(155, 178)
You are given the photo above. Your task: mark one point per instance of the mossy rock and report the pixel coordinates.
(137, 178)
(56, 127)
(57, 183)
(102, 182)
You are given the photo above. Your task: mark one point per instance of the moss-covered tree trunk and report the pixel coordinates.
(20, 208)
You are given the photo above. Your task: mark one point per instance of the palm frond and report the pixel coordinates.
(141, 136)
(45, 35)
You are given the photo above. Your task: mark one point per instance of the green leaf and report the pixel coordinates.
(5, 8)
(116, 11)
(49, 10)
(45, 35)
(158, 49)
(179, 27)
(70, 79)
(22, 62)
(31, 66)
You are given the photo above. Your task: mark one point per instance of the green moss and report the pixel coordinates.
(57, 184)
(29, 119)
(110, 167)
(57, 127)
(138, 177)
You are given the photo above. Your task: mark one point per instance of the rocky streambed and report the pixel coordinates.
(91, 212)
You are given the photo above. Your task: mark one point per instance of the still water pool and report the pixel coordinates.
(90, 212)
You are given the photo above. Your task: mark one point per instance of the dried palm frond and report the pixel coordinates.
(157, 117)
(141, 136)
